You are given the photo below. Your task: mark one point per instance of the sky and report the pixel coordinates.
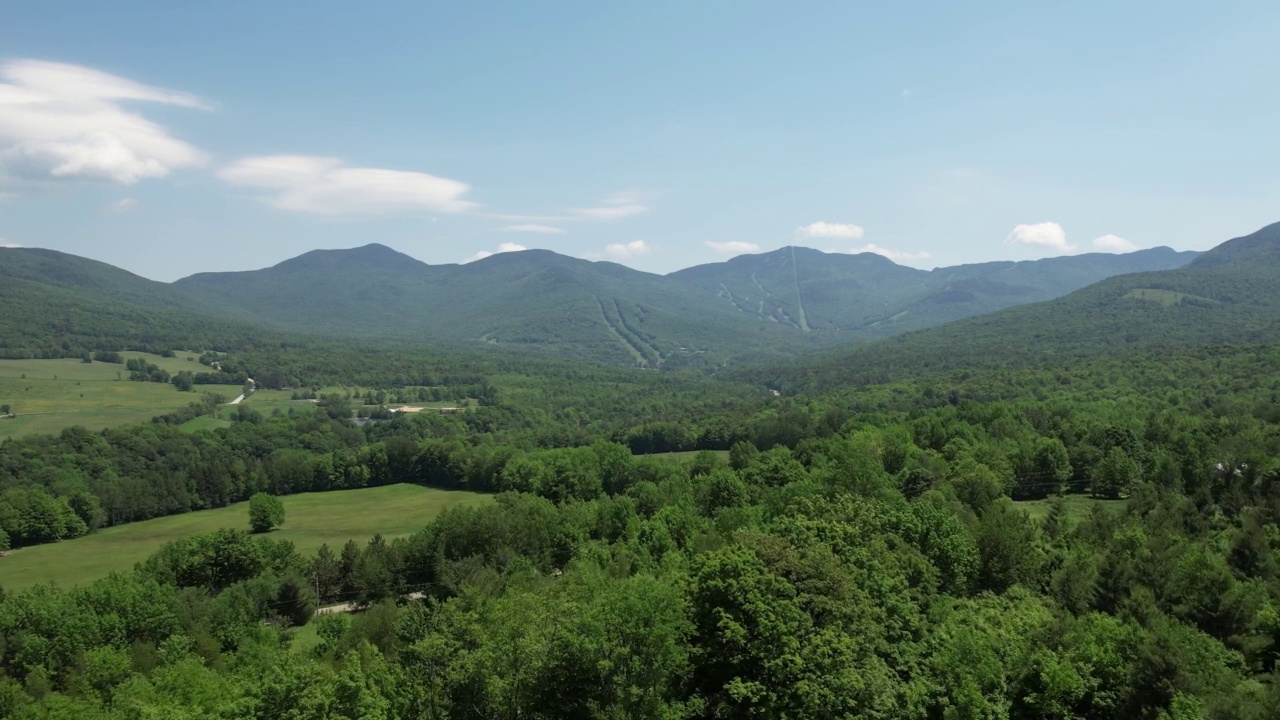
(174, 138)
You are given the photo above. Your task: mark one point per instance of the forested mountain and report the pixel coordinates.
(1228, 295)
(762, 307)
(750, 305)
(532, 299)
(55, 304)
(841, 297)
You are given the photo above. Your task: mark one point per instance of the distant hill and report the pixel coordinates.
(534, 299)
(756, 306)
(1228, 295)
(55, 304)
(851, 297)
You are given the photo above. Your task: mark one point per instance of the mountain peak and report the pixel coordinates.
(372, 255)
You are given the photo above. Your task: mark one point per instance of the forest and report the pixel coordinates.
(865, 550)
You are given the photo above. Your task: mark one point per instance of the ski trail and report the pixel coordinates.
(795, 274)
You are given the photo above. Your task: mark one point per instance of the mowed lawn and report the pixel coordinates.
(55, 394)
(311, 520)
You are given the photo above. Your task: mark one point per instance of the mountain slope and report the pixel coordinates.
(57, 304)
(530, 299)
(832, 291)
(848, 297)
(755, 307)
(1228, 295)
(969, 290)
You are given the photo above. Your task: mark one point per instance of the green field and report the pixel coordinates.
(204, 422)
(1077, 506)
(55, 394)
(311, 519)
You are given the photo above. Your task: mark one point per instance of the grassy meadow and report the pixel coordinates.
(1077, 507)
(48, 395)
(311, 520)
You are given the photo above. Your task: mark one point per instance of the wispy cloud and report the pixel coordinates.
(503, 248)
(822, 229)
(121, 206)
(1113, 243)
(66, 121)
(732, 247)
(1046, 234)
(545, 229)
(325, 186)
(611, 212)
(623, 251)
(615, 207)
(4, 244)
(895, 255)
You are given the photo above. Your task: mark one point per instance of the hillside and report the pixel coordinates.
(55, 304)
(847, 297)
(535, 299)
(758, 307)
(751, 306)
(1228, 295)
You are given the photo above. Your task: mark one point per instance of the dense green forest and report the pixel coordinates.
(855, 554)
(1065, 510)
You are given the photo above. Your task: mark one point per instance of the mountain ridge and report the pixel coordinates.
(1232, 298)
(762, 305)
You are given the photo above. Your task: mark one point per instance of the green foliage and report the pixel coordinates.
(266, 512)
(871, 561)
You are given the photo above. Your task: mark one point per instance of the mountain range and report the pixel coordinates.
(1229, 295)
(765, 305)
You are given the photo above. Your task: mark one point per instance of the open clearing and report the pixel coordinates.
(56, 394)
(311, 520)
(1077, 507)
(61, 393)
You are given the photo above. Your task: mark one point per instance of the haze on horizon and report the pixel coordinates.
(173, 140)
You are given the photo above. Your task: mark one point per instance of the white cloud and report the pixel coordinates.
(732, 247)
(615, 207)
(897, 255)
(1047, 235)
(67, 121)
(4, 244)
(823, 229)
(1113, 243)
(546, 229)
(622, 251)
(504, 247)
(325, 186)
(122, 206)
(615, 212)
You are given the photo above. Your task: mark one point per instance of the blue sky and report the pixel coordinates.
(172, 138)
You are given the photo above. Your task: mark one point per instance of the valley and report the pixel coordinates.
(619, 458)
(639, 361)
